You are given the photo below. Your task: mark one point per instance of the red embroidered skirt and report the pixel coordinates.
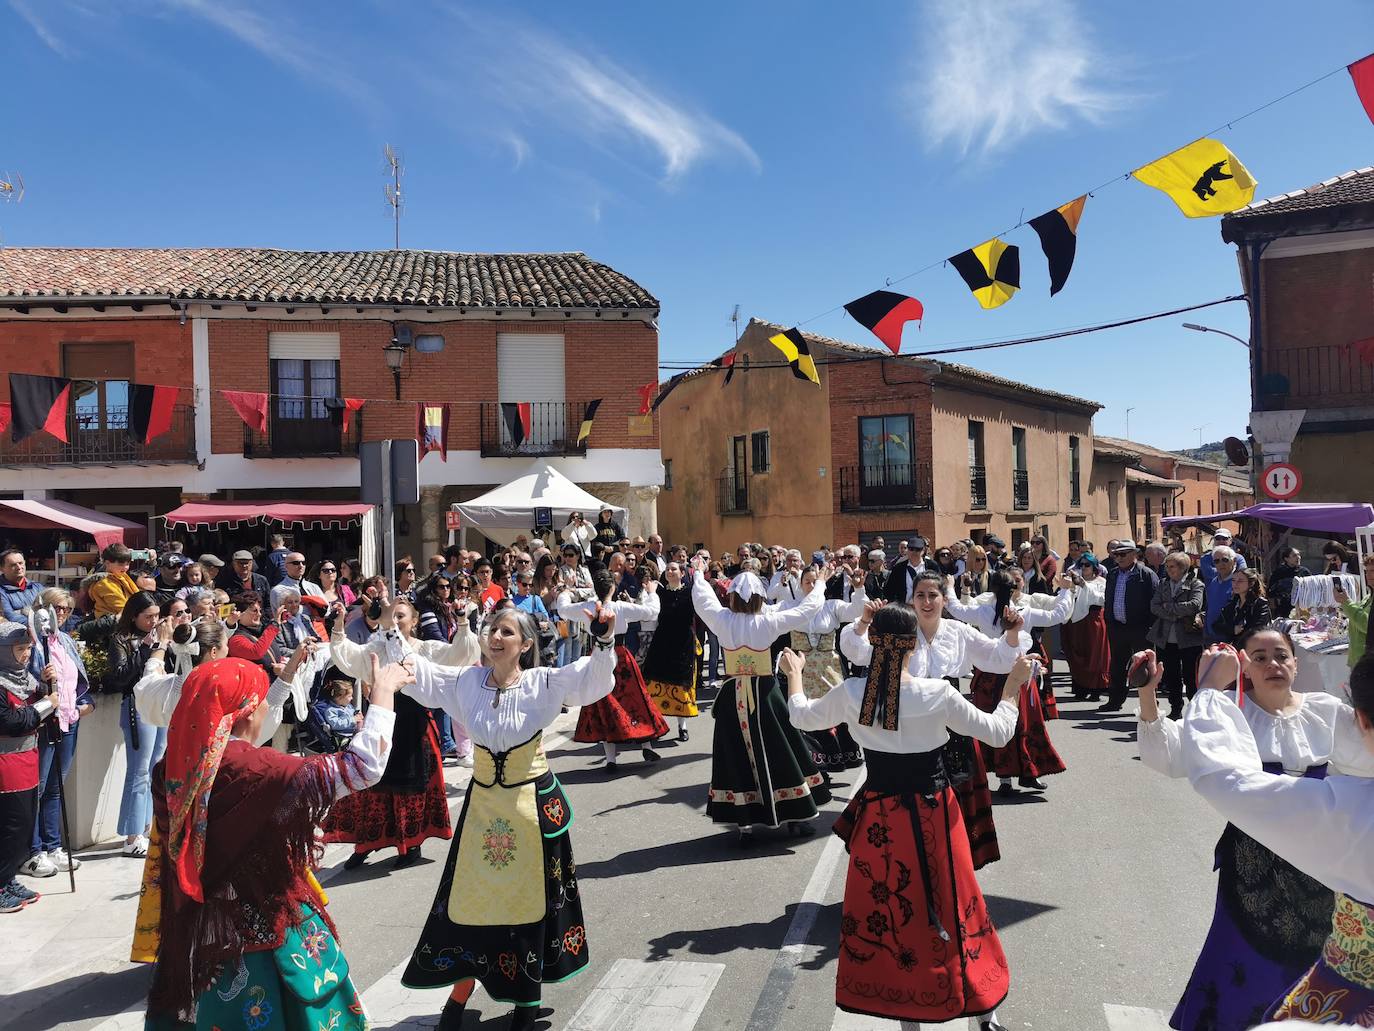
(625, 715)
(1029, 753)
(893, 963)
(1088, 654)
(975, 804)
(1046, 686)
(384, 817)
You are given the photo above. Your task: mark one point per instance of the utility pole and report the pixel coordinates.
(393, 189)
(734, 317)
(1128, 422)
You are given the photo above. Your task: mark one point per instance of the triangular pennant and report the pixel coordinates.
(1058, 232)
(6, 413)
(667, 389)
(38, 403)
(885, 314)
(1362, 74)
(585, 430)
(726, 362)
(516, 427)
(792, 343)
(431, 429)
(1203, 179)
(351, 405)
(992, 270)
(150, 411)
(251, 406)
(646, 397)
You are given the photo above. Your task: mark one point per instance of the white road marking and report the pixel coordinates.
(1134, 1018)
(858, 1022)
(669, 995)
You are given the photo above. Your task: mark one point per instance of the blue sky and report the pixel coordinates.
(785, 157)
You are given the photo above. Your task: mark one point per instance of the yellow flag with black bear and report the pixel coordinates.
(1203, 178)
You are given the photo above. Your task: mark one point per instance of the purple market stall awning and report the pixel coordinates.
(1335, 518)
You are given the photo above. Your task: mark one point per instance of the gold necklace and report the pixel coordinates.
(498, 688)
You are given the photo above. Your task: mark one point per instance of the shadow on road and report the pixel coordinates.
(498, 1019)
(691, 795)
(1005, 911)
(79, 998)
(769, 936)
(629, 765)
(713, 848)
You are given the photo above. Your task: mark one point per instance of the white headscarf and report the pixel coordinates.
(746, 585)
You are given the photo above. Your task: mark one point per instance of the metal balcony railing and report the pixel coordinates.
(903, 485)
(732, 496)
(1020, 490)
(553, 430)
(1328, 376)
(302, 438)
(1075, 494)
(977, 487)
(93, 440)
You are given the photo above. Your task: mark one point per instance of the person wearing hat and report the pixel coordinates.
(905, 571)
(238, 577)
(109, 595)
(24, 704)
(1206, 566)
(211, 562)
(168, 578)
(607, 530)
(1130, 590)
(996, 549)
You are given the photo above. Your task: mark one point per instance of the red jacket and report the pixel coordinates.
(241, 646)
(19, 719)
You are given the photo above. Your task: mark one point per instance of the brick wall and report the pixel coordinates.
(162, 347)
(601, 359)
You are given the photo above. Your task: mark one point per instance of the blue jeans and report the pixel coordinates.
(570, 647)
(47, 828)
(442, 720)
(136, 804)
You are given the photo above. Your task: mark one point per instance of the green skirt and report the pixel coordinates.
(302, 985)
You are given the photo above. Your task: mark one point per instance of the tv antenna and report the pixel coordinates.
(393, 188)
(734, 317)
(11, 187)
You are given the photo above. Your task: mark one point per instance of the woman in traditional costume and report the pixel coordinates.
(670, 667)
(916, 941)
(245, 940)
(508, 912)
(409, 805)
(1084, 637)
(762, 771)
(946, 648)
(1029, 755)
(1271, 918)
(833, 748)
(627, 715)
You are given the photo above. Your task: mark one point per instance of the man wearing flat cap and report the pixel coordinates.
(1130, 589)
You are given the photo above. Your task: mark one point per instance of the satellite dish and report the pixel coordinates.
(1236, 451)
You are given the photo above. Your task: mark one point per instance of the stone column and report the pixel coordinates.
(643, 508)
(433, 536)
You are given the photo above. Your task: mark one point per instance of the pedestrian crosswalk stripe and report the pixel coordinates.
(668, 995)
(1134, 1018)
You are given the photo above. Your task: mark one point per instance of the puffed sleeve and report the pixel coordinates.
(1158, 743)
(350, 659)
(996, 727)
(704, 600)
(798, 617)
(854, 646)
(587, 680)
(363, 762)
(973, 611)
(846, 612)
(156, 694)
(834, 707)
(1348, 754)
(994, 652)
(1056, 613)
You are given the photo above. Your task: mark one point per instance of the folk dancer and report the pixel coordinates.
(670, 666)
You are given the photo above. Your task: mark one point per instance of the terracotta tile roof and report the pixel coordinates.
(1113, 454)
(410, 278)
(1150, 479)
(1132, 447)
(1342, 202)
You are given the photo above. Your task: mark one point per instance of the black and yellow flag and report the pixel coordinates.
(793, 345)
(1203, 179)
(586, 429)
(992, 271)
(1058, 232)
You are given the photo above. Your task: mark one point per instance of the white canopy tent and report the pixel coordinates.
(508, 510)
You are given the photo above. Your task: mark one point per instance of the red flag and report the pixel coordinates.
(1362, 74)
(351, 405)
(646, 397)
(150, 411)
(1364, 348)
(251, 406)
(38, 403)
(6, 413)
(431, 429)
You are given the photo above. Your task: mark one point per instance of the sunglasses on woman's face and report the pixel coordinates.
(328, 569)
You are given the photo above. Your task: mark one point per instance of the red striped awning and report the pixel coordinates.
(305, 514)
(63, 515)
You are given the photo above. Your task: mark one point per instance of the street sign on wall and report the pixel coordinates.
(1281, 481)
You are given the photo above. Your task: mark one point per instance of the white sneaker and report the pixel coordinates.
(39, 865)
(138, 848)
(465, 760)
(64, 862)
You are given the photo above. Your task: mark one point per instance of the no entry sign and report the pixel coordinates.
(453, 520)
(1281, 481)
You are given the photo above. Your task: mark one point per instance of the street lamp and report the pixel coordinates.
(395, 353)
(1208, 329)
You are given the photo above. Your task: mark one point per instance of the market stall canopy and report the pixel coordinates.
(1335, 518)
(305, 514)
(508, 510)
(63, 515)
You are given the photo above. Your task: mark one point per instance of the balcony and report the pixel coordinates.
(902, 486)
(91, 443)
(554, 426)
(1334, 376)
(1075, 494)
(302, 438)
(1020, 490)
(977, 487)
(732, 495)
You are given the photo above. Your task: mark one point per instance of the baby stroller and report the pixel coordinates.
(317, 736)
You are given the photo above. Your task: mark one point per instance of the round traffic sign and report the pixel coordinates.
(1281, 481)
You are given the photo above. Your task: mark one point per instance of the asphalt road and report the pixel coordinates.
(1102, 897)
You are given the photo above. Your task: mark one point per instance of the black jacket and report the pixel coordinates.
(230, 584)
(875, 584)
(898, 587)
(1281, 587)
(1140, 591)
(1250, 616)
(127, 656)
(838, 585)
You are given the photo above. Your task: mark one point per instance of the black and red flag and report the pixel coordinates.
(517, 420)
(38, 403)
(668, 388)
(647, 393)
(885, 314)
(1362, 75)
(150, 411)
(726, 362)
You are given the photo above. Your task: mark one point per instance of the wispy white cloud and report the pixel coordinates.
(40, 28)
(519, 148)
(585, 92)
(993, 72)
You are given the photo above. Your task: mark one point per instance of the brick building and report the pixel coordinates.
(473, 330)
(885, 445)
(1306, 262)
